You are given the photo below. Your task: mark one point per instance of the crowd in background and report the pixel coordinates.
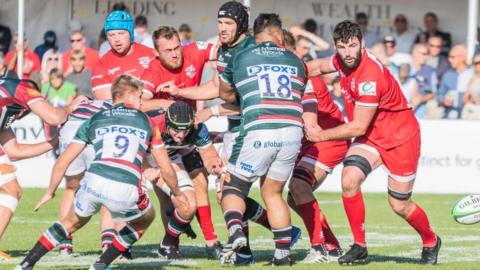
(434, 74)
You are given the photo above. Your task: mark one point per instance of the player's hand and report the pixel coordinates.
(151, 174)
(54, 141)
(169, 88)
(202, 116)
(76, 101)
(313, 133)
(180, 201)
(219, 186)
(217, 167)
(45, 198)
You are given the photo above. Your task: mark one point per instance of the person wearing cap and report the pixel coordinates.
(394, 58)
(124, 57)
(191, 151)
(78, 42)
(183, 66)
(49, 42)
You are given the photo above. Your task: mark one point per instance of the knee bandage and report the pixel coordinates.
(401, 196)
(7, 173)
(8, 201)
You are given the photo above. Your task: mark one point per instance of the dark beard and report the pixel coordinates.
(355, 63)
(170, 66)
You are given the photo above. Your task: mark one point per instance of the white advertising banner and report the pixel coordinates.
(450, 161)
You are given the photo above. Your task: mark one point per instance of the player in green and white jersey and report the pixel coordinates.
(268, 81)
(121, 136)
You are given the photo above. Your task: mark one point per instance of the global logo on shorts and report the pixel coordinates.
(257, 144)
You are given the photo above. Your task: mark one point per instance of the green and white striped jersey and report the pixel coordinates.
(121, 137)
(269, 81)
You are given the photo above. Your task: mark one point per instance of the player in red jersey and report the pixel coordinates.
(314, 163)
(386, 133)
(180, 65)
(124, 57)
(18, 98)
(183, 66)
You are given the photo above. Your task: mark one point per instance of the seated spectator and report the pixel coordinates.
(454, 83)
(371, 38)
(308, 43)
(52, 59)
(185, 34)
(394, 57)
(77, 39)
(4, 71)
(49, 42)
(80, 75)
(5, 38)
(426, 79)
(64, 43)
(439, 62)
(404, 38)
(471, 99)
(477, 46)
(140, 30)
(408, 84)
(58, 91)
(430, 21)
(31, 62)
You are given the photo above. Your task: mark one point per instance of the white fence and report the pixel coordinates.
(450, 161)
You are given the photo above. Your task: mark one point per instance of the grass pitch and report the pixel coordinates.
(392, 243)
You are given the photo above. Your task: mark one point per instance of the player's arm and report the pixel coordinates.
(64, 160)
(17, 151)
(310, 108)
(51, 115)
(211, 160)
(216, 110)
(320, 66)
(362, 117)
(166, 169)
(155, 104)
(206, 91)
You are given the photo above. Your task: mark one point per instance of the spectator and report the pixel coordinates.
(77, 39)
(80, 75)
(49, 42)
(141, 31)
(185, 34)
(477, 46)
(404, 38)
(64, 43)
(426, 79)
(4, 71)
(431, 29)
(308, 39)
(394, 57)
(58, 91)
(471, 99)
(31, 62)
(52, 59)
(439, 62)
(337, 95)
(454, 83)
(408, 84)
(5, 38)
(371, 38)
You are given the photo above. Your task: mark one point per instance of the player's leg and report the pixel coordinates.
(360, 160)
(72, 183)
(180, 218)
(85, 205)
(401, 164)
(194, 166)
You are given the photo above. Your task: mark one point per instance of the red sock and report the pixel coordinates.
(355, 210)
(419, 221)
(204, 217)
(310, 213)
(328, 233)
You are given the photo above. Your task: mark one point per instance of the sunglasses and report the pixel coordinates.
(400, 20)
(77, 59)
(476, 63)
(435, 46)
(54, 59)
(76, 40)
